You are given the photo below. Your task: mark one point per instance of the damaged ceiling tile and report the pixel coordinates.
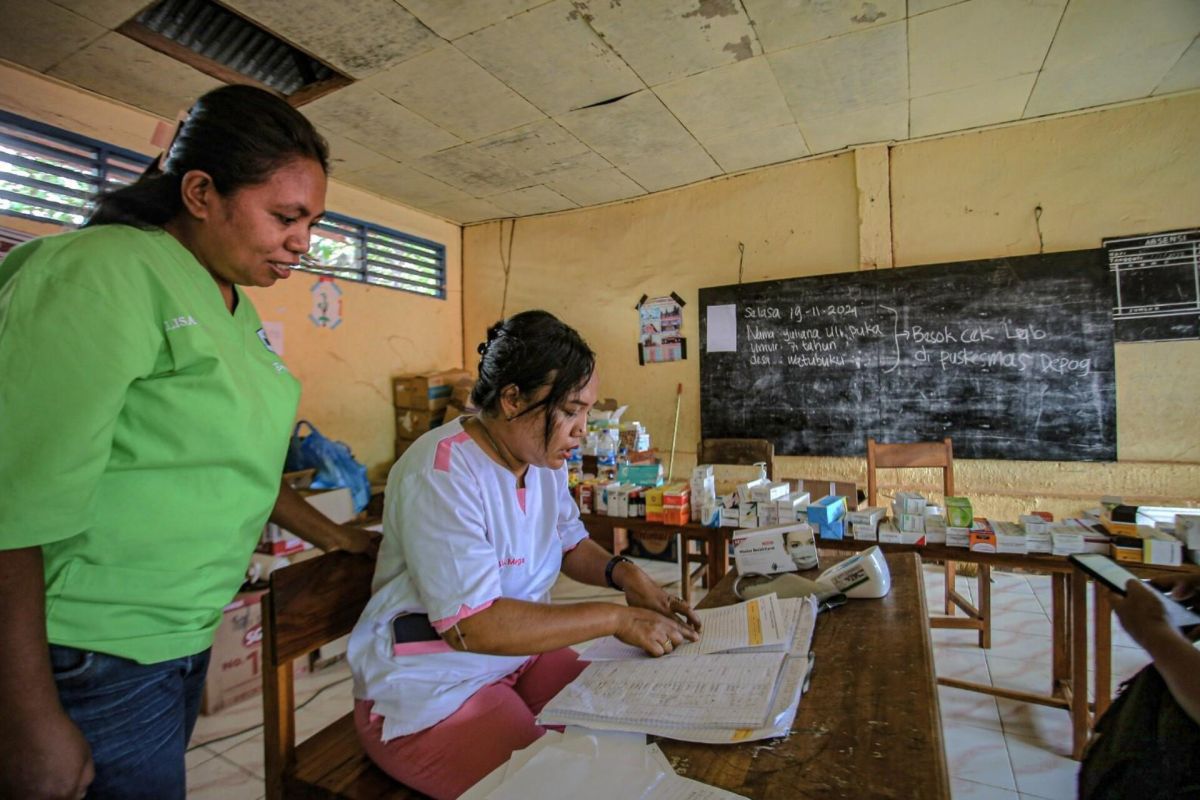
(785, 23)
(38, 34)
(455, 93)
(573, 67)
(664, 40)
(451, 19)
(358, 37)
(476, 173)
(541, 149)
(591, 188)
(723, 101)
(532, 200)
(378, 122)
(883, 123)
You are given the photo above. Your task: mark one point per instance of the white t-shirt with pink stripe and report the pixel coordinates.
(458, 535)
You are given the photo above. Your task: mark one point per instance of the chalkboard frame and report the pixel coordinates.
(990, 408)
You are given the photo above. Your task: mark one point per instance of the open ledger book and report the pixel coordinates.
(742, 681)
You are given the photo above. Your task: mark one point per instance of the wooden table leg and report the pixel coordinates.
(984, 605)
(949, 572)
(1060, 636)
(1077, 587)
(683, 551)
(1102, 616)
(718, 557)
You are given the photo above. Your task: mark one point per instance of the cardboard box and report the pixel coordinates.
(762, 550)
(983, 541)
(430, 391)
(412, 422)
(935, 530)
(889, 533)
(864, 532)
(770, 492)
(908, 503)
(911, 523)
(957, 536)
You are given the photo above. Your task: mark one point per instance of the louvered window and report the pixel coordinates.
(50, 175)
(361, 251)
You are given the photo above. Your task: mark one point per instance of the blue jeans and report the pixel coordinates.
(136, 717)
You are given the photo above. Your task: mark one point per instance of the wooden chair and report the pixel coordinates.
(936, 455)
(737, 452)
(310, 604)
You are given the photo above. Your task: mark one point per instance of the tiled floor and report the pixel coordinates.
(996, 749)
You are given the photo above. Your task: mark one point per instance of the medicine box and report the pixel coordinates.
(912, 523)
(983, 541)
(770, 492)
(761, 550)
(908, 503)
(889, 533)
(1033, 523)
(745, 491)
(864, 532)
(1187, 530)
(935, 530)
(828, 509)
(747, 514)
(870, 515)
(958, 512)
(958, 537)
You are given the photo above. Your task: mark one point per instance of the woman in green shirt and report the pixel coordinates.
(145, 420)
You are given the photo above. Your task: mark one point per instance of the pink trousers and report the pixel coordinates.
(452, 756)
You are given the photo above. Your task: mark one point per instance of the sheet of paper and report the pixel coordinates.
(745, 627)
(722, 329)
(597, 766)
(714, 691)
(679, 788)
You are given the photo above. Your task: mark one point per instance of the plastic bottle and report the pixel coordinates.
(574, 468)
(606, 457)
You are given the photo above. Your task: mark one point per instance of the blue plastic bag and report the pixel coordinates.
(333, 461)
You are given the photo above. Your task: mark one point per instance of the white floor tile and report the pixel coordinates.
(218, 779)
(197, 756)
(249, 755)
(1042, 773)
(960, 706)
(1046, 727)
(966, 665)
(1023, 622)
(970, 790)
(977, 754)
(1030, 675)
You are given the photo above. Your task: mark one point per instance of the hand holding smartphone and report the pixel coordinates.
(1114, 576)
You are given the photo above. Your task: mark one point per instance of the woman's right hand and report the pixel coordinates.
(46, 759)
(653, 632)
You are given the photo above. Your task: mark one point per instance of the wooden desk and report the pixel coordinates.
(869, 725)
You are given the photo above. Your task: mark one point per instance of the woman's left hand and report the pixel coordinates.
(642, 592)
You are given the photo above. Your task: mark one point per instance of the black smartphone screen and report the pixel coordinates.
(413, 628)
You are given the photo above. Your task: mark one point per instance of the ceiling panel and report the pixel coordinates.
(39, 34)
(785, 23)
(132, 73)
(644, 140)
(972, 107)
(358, 37)
(451, 19)
(980, 41)
(109, 13)
(405, 184)
(542, 149)
(359, 113)
(664, 40)
(455, 93)
(589, 188)
(347, 156)
(756, 148)
(475, 172)
(876, 124)
(845, 74)
(1185, 74)
(726, 100)
(469, 210)
(532, 200)
(572, 67)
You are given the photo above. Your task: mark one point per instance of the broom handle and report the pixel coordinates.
(675, 431)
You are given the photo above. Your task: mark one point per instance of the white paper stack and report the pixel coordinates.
(748, 692)
(591, 765)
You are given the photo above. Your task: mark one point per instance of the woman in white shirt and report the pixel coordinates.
(459, 648)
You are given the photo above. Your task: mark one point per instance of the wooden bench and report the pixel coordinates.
(310, 604)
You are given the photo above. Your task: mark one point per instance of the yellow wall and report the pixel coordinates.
(1126, 170)
(346, 372)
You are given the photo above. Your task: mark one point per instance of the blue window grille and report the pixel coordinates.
(360, 251)
(51, 175)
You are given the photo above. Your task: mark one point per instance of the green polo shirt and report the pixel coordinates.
(142, 435)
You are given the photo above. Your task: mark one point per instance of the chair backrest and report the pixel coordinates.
(936, 455)
(738, 452)
(310, 604)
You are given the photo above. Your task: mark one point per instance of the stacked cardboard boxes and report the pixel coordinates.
(421, 402)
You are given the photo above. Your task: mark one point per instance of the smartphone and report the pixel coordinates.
(1114, 576)
(413, 628)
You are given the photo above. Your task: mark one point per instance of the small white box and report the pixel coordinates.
(702, 471)
(747, 515)
(909, 503)
(870, 515)
(768, 514)
(933, 511)
(763, 550)
(1032, 523)
(864, 532)
(958, 537)
(912, 523)
(771, 492)
(729, 517)
(889, 533)
(788, 506)
(1187, 530)
(745, 491)
(935, 530)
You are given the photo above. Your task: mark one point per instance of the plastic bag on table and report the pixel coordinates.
(333, 461)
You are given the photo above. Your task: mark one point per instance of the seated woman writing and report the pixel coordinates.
(459, 648)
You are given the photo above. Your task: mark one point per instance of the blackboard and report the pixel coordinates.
(1011, 357)
(1156, 279)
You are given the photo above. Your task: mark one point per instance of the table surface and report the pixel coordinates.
(869, 725)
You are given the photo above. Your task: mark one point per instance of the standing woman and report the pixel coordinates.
(459, 648)
(144, 421)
